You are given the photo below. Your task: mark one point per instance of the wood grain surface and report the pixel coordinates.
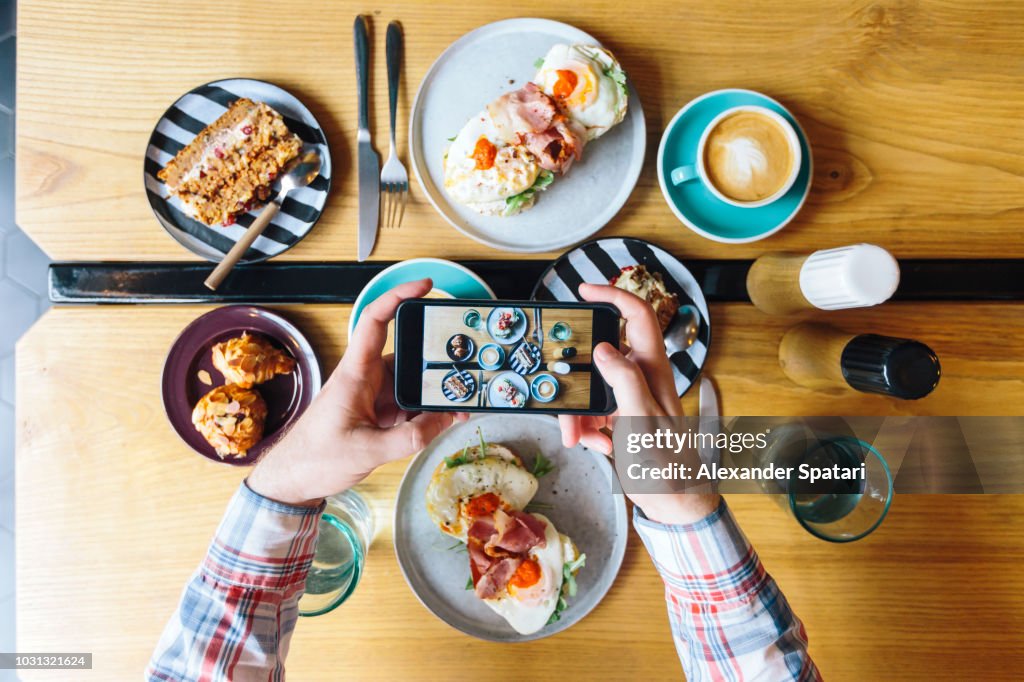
(912, 109)
(114, 513)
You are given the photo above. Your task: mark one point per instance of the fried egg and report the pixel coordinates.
(531, 598)
(482, 171)
(453, 490)
(588, 82)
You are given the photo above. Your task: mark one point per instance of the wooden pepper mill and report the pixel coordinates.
(822, 357)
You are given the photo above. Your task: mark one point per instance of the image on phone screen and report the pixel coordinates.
(513, 356)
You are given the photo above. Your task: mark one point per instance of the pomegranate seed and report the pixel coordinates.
(247, 130)
(219, 153)
(202, 174)
(229, 221)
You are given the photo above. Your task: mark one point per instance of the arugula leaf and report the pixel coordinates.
(538, 63)
(516, 202)
(619, 76)
(458, 460)
(542, 466)
(569, 587)
(568, 574)
(557, 614)
(469, 583)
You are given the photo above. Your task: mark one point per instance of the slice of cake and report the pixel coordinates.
(637, 279)
(229, 166)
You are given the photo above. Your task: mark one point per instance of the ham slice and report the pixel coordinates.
(516, 533)
(557, 147)
(522, 111)
(498, 545)
(494, 581)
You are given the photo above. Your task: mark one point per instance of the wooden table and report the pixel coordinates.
(913, 113)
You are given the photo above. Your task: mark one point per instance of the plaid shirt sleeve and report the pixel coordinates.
(237, 614)
(729, 619)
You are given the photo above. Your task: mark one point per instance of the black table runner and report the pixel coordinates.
(340, 282)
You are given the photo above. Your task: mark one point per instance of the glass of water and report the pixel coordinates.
(841, 510)
(560, 331)
(471, 318)
(346, 531)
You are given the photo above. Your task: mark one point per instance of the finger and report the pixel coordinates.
(571, 429)
(645, 342)
(412, 436)
(597, 440)
(642, 329)
(627, 380)
(371, 332)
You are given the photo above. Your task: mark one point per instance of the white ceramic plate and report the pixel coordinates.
(476, 69)
(577, 497)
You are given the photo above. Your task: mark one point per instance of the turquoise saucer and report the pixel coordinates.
(452, 278)
(694, 204)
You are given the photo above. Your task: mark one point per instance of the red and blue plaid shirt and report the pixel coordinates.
(237, 614)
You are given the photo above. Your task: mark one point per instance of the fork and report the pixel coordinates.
(394, 179)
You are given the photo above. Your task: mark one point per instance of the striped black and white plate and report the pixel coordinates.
(467, 379)
(599, 261)
(185, 119)
(533, 351)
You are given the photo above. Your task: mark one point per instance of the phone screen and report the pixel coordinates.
(497, 355)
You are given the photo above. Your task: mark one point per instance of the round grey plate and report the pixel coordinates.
(577, 497)
(476, 69)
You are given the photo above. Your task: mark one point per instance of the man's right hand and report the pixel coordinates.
(643, 386)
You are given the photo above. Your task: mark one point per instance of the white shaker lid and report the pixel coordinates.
(854, 276)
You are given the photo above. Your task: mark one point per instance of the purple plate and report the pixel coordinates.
(286, 395)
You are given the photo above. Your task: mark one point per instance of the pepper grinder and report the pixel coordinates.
(822, 357)
(854, 276)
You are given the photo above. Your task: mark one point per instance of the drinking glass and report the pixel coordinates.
(560, 331)
(346, 530)
(841, 510)
(471, 318)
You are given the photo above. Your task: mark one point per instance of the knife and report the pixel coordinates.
(538, 331)
(709, 419)
(369, 162)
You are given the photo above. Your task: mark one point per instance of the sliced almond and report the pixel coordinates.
(205, 377)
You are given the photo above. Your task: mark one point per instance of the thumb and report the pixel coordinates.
(627, 381)
(413, 435)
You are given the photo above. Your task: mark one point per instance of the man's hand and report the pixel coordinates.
(353, 425)
(643, 386)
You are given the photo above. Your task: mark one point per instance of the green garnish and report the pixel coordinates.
(542, 466)
(557, 614)
(515, 203)
(464, 457)
(469, 583)
(539, 62)
(569, 587)
(619, 76)
(539, 506)
(452, 138)
(459, 546)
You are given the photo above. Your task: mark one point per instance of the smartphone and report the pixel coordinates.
(494, 356)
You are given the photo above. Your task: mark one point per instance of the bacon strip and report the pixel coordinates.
(498, 545)
(529, 116)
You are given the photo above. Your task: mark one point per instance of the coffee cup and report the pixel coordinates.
(747, 156)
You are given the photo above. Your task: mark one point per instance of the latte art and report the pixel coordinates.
(748, 156)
